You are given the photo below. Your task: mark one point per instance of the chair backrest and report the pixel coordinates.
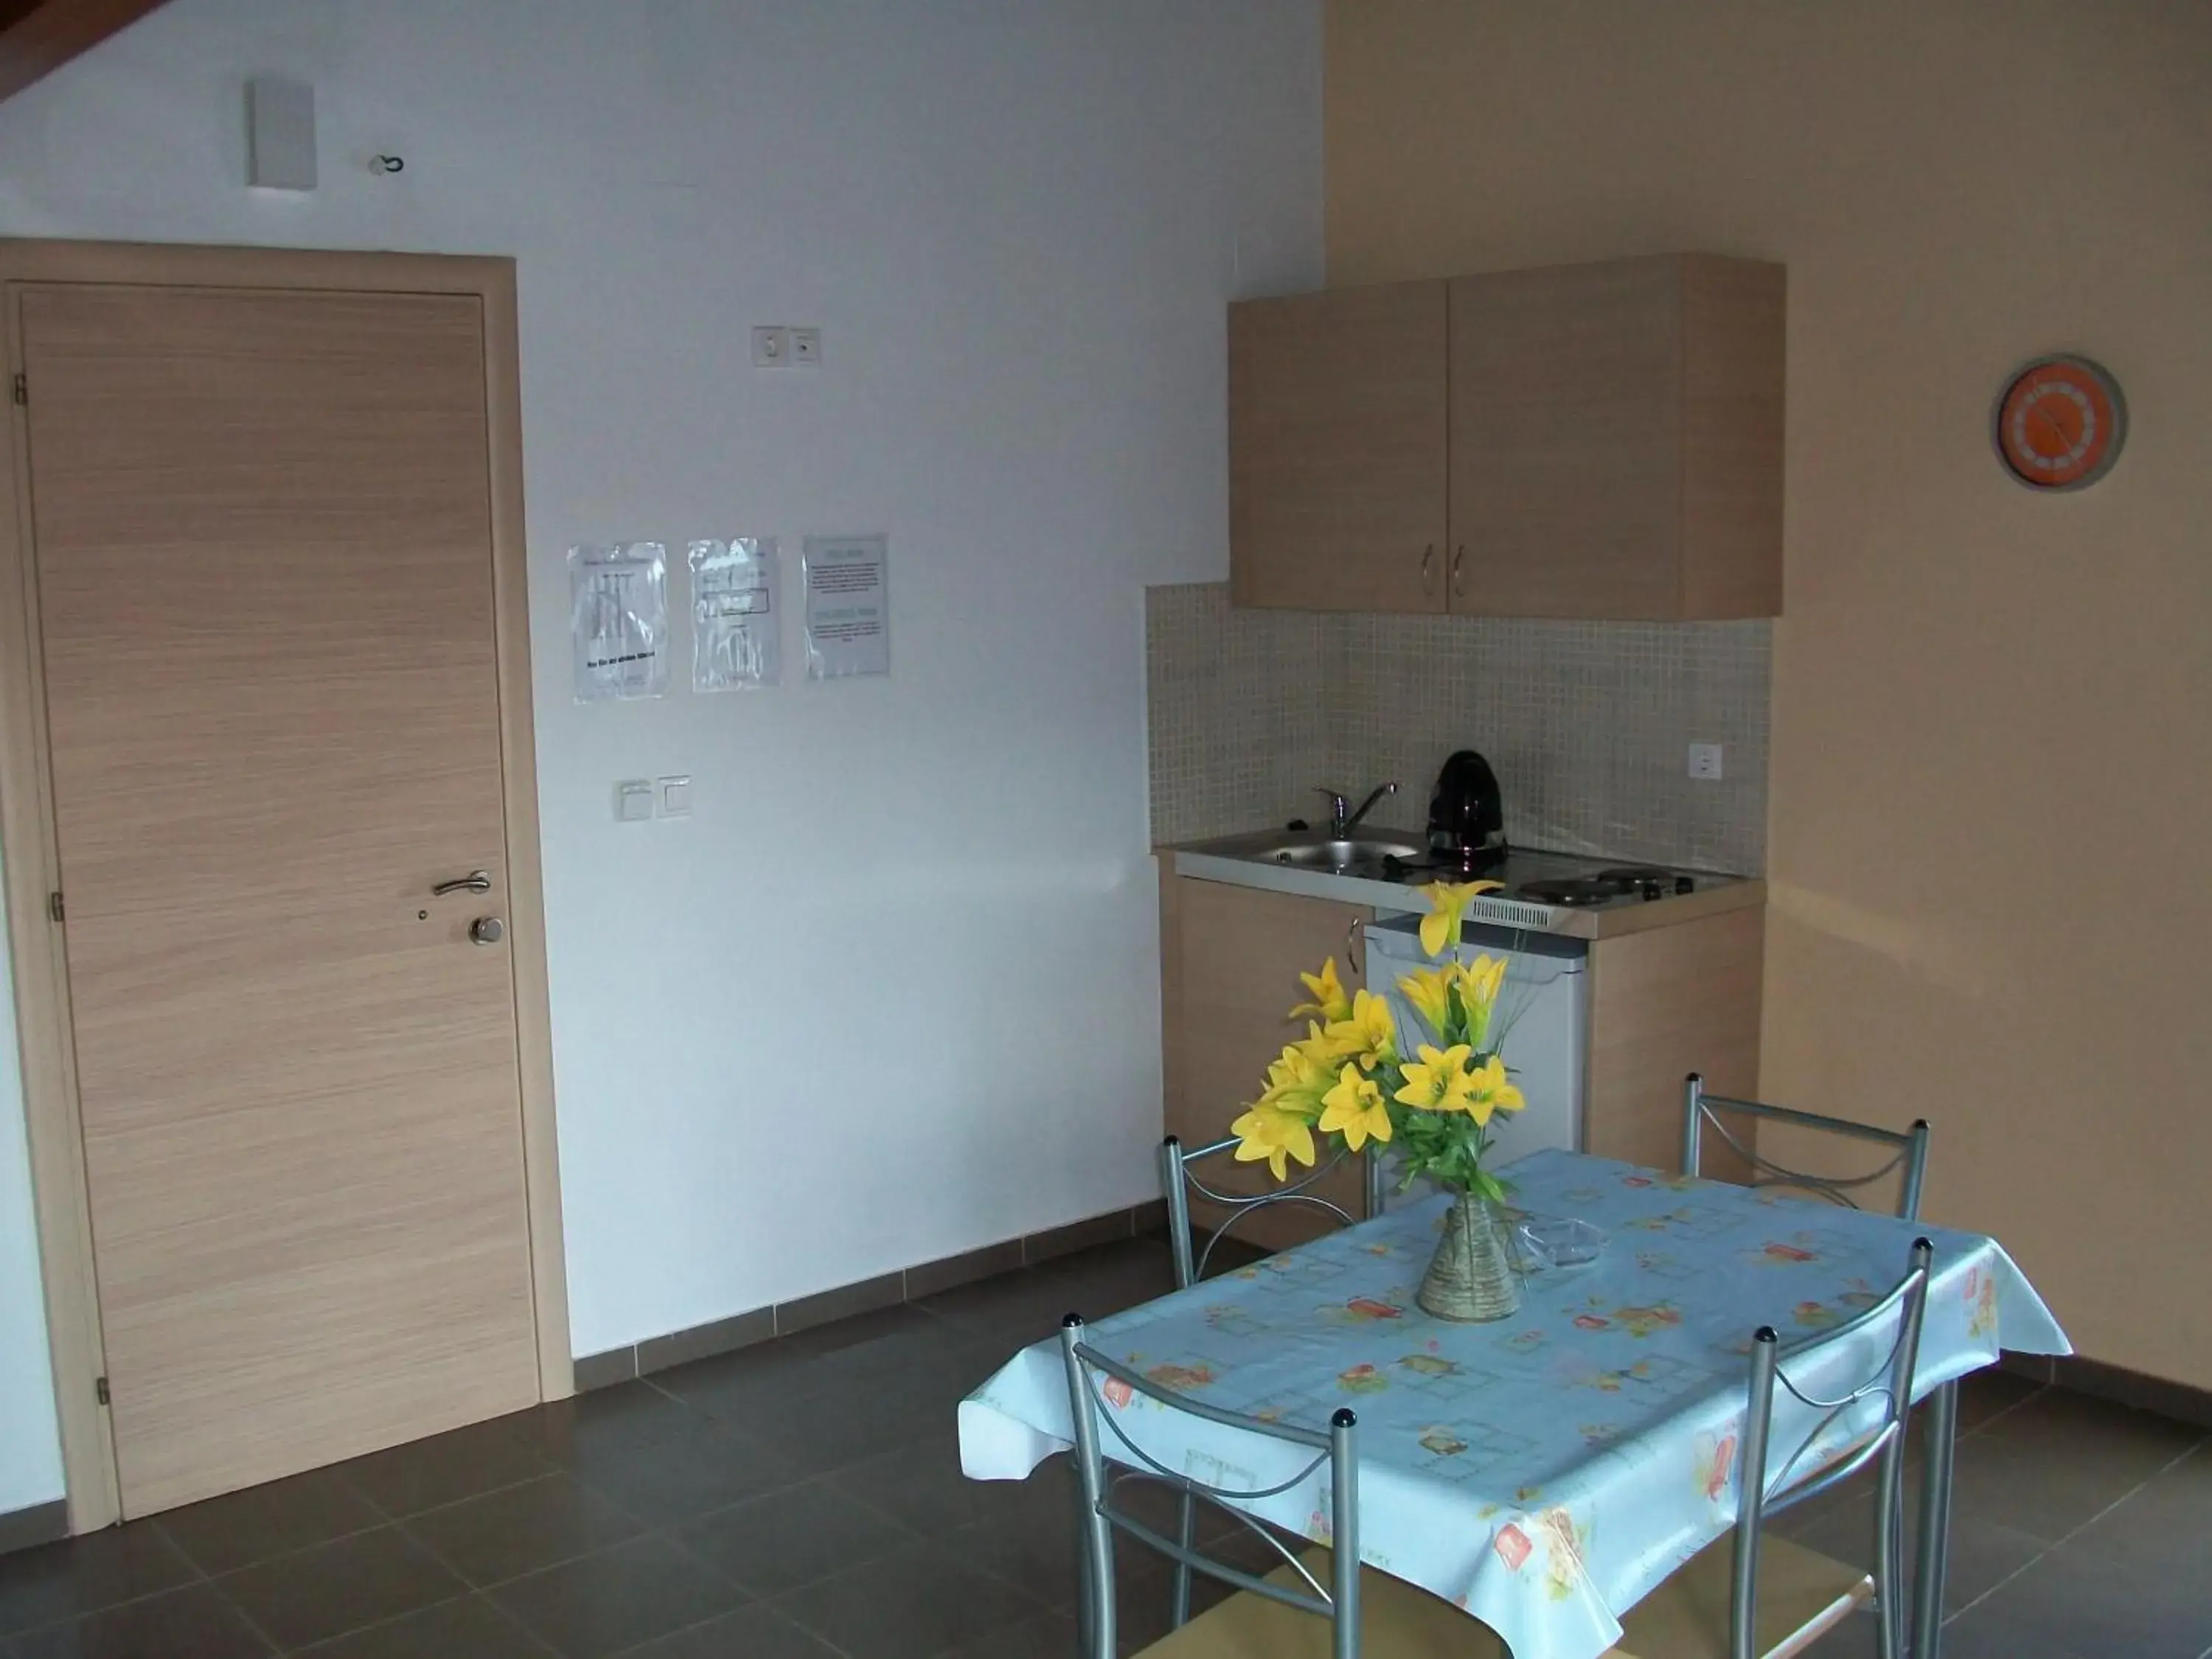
(1892, 1326)
(1093, 1380)
(1178, 1179)
(1908, 1157)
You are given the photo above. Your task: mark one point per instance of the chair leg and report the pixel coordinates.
(1187, 1533)
(1086, 1643)
(1935, 1522)
(1888, 1542)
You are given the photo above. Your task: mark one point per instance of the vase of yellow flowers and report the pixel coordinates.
(1347, 1080)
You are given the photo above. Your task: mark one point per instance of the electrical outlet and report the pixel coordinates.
(1705, 761)
(772, 346)
(806, 348)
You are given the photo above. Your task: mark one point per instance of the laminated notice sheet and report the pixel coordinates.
(618, 621)
(734, 615)
(848, 622)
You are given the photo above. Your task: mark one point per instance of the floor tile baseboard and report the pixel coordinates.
(655, 1353)
(27, 1528)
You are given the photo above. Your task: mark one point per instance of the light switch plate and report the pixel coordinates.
(1705, 761)
(772, 346)
(634, 800)
(675, 797)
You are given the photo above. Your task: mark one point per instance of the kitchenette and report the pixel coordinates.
(1505, 553)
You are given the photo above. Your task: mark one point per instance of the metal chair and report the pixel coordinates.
(1748, 1596)
(1910, 1154)
(1319, 1604)
(1177, 1182)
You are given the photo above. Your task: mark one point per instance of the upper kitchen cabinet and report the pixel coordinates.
(1616, 440)
(1596, 441)
(1337, 462)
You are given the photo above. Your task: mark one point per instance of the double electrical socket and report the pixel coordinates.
(778, 346)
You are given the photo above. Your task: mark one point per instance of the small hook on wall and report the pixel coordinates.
(387, 164)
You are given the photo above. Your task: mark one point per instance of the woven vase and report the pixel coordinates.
(1471, 1277)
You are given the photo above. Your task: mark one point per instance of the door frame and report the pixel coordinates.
(62, 1199)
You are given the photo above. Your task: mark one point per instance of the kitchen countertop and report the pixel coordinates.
(1399, 898)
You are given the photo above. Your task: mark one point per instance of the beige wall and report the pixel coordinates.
(1990, 841)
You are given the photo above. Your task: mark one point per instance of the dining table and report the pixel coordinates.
(1546, 1471)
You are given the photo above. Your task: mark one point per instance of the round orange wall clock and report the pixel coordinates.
(2060, 424)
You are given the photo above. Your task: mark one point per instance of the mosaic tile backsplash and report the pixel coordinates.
(1588, 724)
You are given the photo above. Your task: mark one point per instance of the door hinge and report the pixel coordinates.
(54, 906)
(101, 1389)
(22, 391)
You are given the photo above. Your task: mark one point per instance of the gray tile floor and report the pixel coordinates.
(803, 1500)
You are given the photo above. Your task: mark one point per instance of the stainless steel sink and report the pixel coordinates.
(1361, 855)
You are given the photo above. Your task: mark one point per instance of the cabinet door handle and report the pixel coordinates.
(1459, 569)
(1352, 958)
(1428, 565)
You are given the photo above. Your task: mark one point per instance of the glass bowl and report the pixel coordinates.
(1561, 1242)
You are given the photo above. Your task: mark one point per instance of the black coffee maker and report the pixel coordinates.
(1466, 817)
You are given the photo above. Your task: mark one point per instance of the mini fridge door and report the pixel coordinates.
(1544, 1009)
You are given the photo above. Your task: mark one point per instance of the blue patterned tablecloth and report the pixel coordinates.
(1544, 1472)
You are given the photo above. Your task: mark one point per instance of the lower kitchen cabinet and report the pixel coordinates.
(1230, 961)
(1664, 1000)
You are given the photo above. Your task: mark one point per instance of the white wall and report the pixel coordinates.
(30, 1447)
(891, 993)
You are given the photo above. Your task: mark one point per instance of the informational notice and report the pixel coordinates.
(734, 617)
(848, 619)
(618, 621)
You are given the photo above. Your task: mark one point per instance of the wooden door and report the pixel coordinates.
(1336, 450)
(261, 524)
(1566, 485)
(1238, 954)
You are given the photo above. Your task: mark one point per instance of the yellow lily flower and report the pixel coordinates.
(1321, 1048)
(1370, 1036)
(1356, 1108)
(1274, 1134)
(1329, 1003)
(1490, 1093)
(1479, 982)
(1429, 990)
(1448, 901)
(1439, 1080)
(1298, 1080)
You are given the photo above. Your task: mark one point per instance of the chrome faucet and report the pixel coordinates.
(1342, 821)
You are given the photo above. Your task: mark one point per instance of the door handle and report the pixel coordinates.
(476, 881)
(1428, 563)
(1352, 958)
(487, 930)
(1459, 569)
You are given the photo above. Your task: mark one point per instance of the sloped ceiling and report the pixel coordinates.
(39, 36)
